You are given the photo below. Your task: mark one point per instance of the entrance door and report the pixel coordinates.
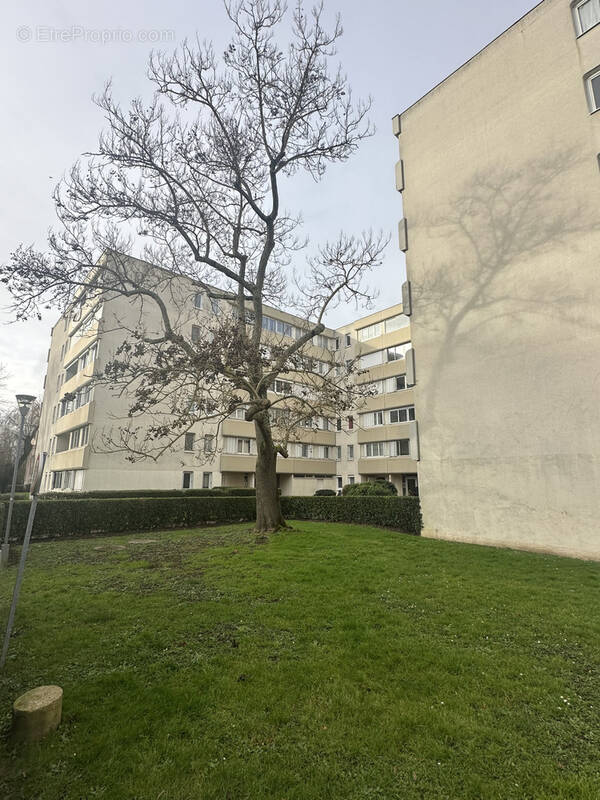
(410, 485)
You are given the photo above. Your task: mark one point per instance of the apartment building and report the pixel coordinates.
(500, 183)
(377, 441)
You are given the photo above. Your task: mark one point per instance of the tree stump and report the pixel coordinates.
(36, 713)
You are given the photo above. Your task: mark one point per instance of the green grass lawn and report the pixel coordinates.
(329, 662)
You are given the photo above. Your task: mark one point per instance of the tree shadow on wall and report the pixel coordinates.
(495, 231)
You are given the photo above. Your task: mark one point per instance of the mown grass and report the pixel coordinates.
(330, 662)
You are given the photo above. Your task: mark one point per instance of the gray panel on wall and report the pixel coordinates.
(397, 125)
(410, 367)
(400, 176)
(406, 299)
(403, 235)
(415, 449)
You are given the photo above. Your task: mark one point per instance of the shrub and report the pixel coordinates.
(371, 488)
(117, 515)
(74, 517)
(401, 513)
(18, 496)
(325, 493)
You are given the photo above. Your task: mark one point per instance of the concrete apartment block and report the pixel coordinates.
(501, 190)
(364, 445)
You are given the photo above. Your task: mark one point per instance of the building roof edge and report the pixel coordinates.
(474, 56)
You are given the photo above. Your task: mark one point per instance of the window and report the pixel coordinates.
(326, 342)
(71, 370)
(214, 306)
(75, 437)
(377, 418)
(68, 479)
(239, 413)
(350, 423)
(325, 451)
(88, 357)
(400, 382)
(587, 14)
(348, 340)
(77, 311)
(395, 323)
(188, 480)
(401, 447)
(198, 300)
(338, 453)
(305, 451)
(337, 344)
(244, 446)
(350, 452)
(370, 332)
(406, 414)
(282, 387)
(371, 359)
(339, 424)
(189, 440)
(397, 352)
(84, 396)
(207, 480)
(85, 433)
(593, 84)
(195, 333)
(351, 480)
(374, 449)
(209, 443)
(279, 326)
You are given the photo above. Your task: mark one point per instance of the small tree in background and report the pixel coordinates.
(10, 422)
(194, 182)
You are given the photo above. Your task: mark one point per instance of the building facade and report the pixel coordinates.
(500, 182)
(377, 441)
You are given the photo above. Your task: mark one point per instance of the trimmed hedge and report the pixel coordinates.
(401, 513)
(218, 491)
(118, 515)
(370, 488)
(325, 493)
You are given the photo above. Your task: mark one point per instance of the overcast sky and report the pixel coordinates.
(55, 55)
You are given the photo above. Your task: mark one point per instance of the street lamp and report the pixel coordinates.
(24, 401)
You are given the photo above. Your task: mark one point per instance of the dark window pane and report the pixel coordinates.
(596, 91)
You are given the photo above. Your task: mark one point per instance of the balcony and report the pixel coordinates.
(285, 466)
(69, 459)
(387, 466)
(73, 420)
(385, 433)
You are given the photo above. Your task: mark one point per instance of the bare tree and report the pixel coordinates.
(10, 423)
(193, 182)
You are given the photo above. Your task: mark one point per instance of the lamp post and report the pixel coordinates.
(24, 401)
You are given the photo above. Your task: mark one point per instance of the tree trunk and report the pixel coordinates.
(268, 509)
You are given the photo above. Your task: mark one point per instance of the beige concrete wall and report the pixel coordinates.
(502, 199)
